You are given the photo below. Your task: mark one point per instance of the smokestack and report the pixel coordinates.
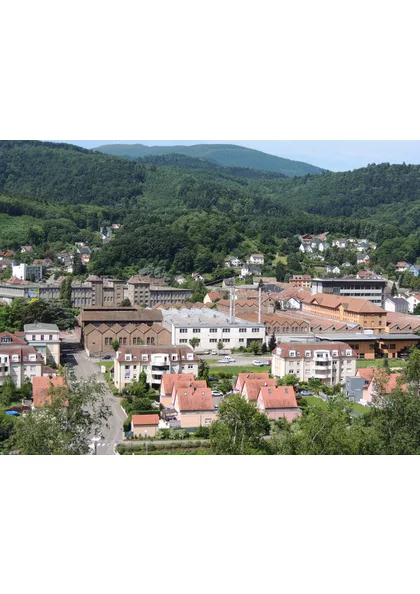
(234, 305)
(231, 307)
(259, 306)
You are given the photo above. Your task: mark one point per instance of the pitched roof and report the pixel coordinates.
(145, 420)
(388, 381)
(303, 347)
(41, 387)
(214, 296)
(195, 400)
(242, 377)
(278, 397)
(254, 386)
(169, 380)
(119, 314)
(351, 304)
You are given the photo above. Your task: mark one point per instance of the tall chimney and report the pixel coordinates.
(259, 305)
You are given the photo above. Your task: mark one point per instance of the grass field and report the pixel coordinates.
(378, 363)
(358, 408)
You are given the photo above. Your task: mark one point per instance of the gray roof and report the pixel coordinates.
(38, 326)
(208, 318)
(353, 336)
(398, 300)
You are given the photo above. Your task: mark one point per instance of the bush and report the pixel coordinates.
(127, 424)
(203, 433)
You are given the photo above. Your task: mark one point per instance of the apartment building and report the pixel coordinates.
(330, 362)
(27, 272)
(210, 327)
(18, 359)
(303, 281)
(155, 361)
(45, 338)
(373, 290)
(355, 311)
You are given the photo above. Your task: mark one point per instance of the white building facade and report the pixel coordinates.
(330, 363)
(211, 327)
(45, 338)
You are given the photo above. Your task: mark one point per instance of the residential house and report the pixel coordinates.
(341, 244)
(250, 270)
(26, 249)
(402, 266)
(213, 297)
(257, 259)
(43, 387)
(243, 377)
(378, 381)
(252, 387)
(233, 262)
(363, 259)
(27, 272)
(106, 234)
(45, 338)
(45, 263)
(397, 305)
(413, 301)
(194, 407)
(145, 425)
(330, 362)
(155, 361)
(278, 403)
(332, 270)
(116, 226)
(363, 246)
(167, 387)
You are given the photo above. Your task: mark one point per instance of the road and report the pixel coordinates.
(85, 368)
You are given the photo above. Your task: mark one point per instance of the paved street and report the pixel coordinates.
(85, 368)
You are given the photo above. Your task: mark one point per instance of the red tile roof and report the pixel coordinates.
(169, 380)
(41, 387)
(278, 397)
(242, 377)
(214, 296)
(350, 304)
(253, 387)
(195, 400)
(145, 420)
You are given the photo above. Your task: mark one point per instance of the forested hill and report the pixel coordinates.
(182, 217)
(226, 155)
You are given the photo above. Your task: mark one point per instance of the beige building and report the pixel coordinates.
(194, 407)
(45, 338)
(18, 359)
(278, 403)
(330, 362)
(155, 361)
(145, 425)
(130, 326)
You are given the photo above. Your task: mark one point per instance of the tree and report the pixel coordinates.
(7, 427)
(203, 370)
(65, 292)
(8, 392)
(394, 290)
(126, 303)
(264, 349)
(416, 310)
(26, 389)
(116, 345)
(61, 427)
(220, 346)
(255, 347)
(225, 386)
(412, 372)
(240, 429)
(288, 380)
(273, 343)
(195, 342)
(281, 271)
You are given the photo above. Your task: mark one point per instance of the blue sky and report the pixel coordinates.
(336, 155)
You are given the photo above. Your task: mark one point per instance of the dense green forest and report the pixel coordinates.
(181, 217)
(226, 155)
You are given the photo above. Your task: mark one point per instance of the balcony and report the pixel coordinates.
(159, 372)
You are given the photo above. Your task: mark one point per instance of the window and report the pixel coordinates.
(50, 337)
(190, 366)
(144, 358)
(392, 347)
(183, 331)
(213, 330)
(174, 357)
(15, 358)
(42, 337)
(307, 353)
(242, 330)
(212, 340)
(33, 337)
(185, 341)
(255, 330)
(227, 330)
(241, 340)
(196, 331)
(292, 354)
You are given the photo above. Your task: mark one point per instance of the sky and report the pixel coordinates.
(335, 155)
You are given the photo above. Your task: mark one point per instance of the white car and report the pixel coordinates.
(223, 362)
(216, 394)
(258, 363)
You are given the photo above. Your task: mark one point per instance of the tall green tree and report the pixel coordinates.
(240, 429)
(61, 427)
(273, 343)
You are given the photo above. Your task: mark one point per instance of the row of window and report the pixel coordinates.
(50, 337)
(216, 330)
(124, 341)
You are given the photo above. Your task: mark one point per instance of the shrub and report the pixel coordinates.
(203, 433)
(127, 424)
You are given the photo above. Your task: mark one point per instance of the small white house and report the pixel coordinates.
(341, 244)
(397, 305)
(257, 259)
(413, 301)
(332, 270)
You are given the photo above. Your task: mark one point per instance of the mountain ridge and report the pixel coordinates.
(226, 155)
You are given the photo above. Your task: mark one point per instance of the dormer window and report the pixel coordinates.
(6, 339)
(144, 358)
(307, 353)
(292, 353)
(335, 353)
(348, 353)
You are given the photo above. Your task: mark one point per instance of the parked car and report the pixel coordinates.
(306, 393)
(258, 363)
(229, 359)
(215, 353)
(223, 362)
(216, 394)
(107, 358)
(207, 353)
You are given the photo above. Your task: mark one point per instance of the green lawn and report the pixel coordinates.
(378, 363)
(358, 408)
